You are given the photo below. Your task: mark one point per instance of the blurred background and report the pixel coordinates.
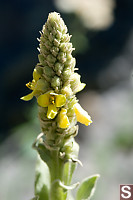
(102, 33)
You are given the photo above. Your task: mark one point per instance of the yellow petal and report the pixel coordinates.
(52, 111)
(36, 75)
(43, 100)
(28, 97)
(60, 100)
(63, 119)
(82, 115)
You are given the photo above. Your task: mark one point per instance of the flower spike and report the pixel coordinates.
(55, 84)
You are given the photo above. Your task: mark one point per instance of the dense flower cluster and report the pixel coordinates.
(55, 81)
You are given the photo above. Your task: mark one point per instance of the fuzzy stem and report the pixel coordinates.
(56, 170)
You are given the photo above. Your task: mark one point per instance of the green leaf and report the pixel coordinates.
(69, 168)
(87, 188)
(44, 153)
(71, 148)
(42, 149)
(42, 180)
(68, 187)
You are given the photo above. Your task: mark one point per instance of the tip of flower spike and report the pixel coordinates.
(53, 15)
(55, 20)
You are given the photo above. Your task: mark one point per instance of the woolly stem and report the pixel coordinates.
(56, 170)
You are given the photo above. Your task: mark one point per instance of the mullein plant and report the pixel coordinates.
(55, 84)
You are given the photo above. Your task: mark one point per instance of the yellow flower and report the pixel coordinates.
(82, 115)
(63, 119)
(35, 85)
(52, 101)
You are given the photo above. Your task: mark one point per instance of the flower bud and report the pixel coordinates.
(58, 35)
(62, 57)
(59, 68)
(55, 82)
(67, 90)
(51, 59)
(66, 73)
(76, 85)
(66, 37)
(54, 51)
(42, 59)
(48, 71)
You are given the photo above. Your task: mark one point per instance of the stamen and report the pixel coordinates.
(29, 85)
(52, 99)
